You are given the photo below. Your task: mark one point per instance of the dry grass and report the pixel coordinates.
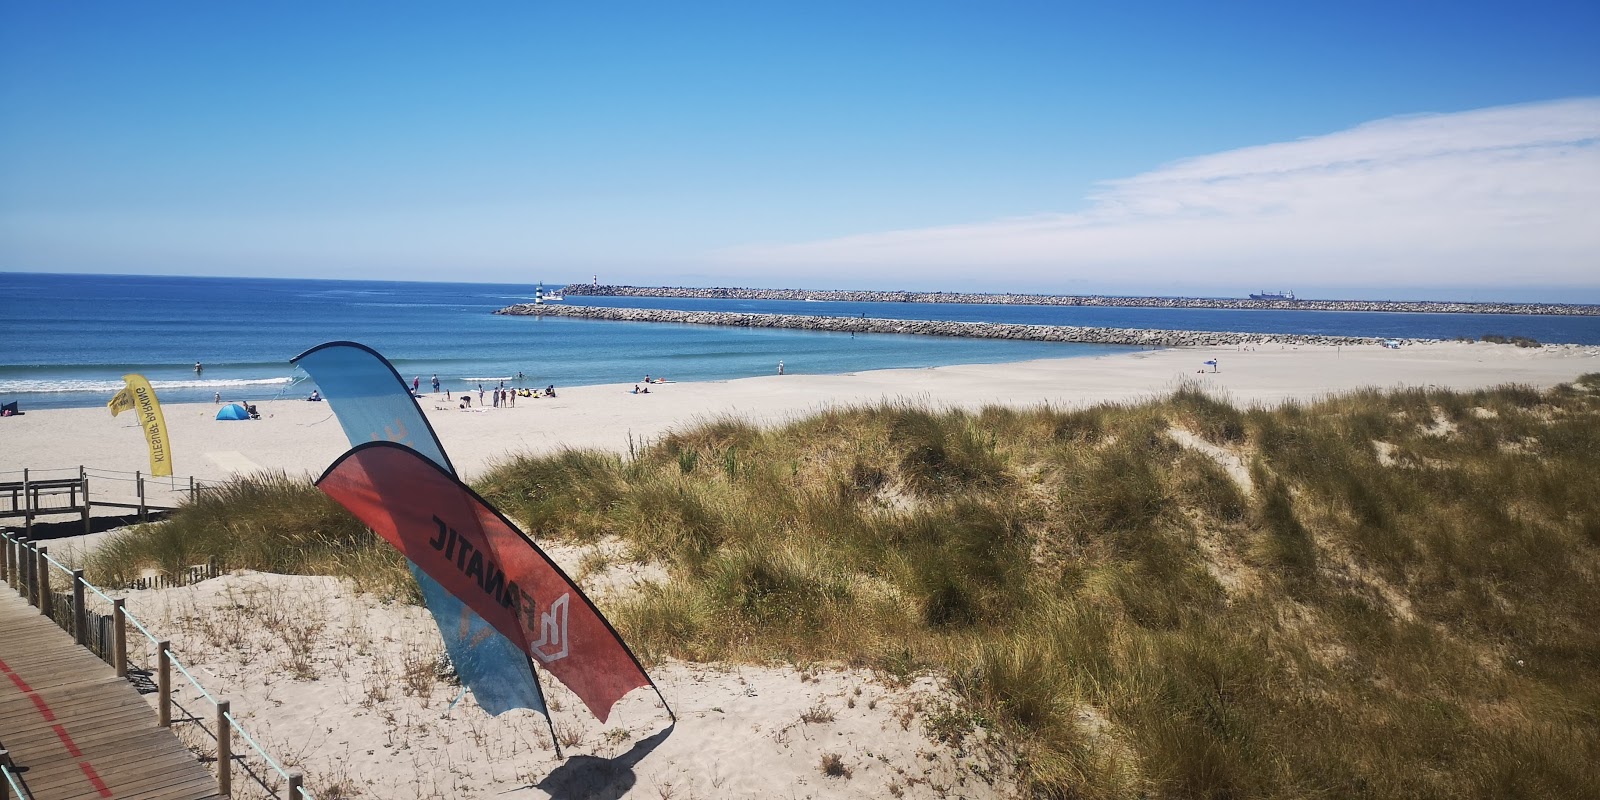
(1420, 628)
(1062, 567)
(833, 766)
(268, 522)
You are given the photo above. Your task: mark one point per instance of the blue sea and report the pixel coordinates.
(66, 340)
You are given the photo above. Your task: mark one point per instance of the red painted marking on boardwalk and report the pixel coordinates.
(66, 739)
(44, 708)
(94, 778)
(22, 685)
(61, 732)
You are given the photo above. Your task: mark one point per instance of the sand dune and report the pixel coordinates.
(343, 686)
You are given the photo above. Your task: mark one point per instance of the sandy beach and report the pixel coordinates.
(303, 437)
(339, 684)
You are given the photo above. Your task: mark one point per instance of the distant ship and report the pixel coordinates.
(1273, 296)
(540, 296)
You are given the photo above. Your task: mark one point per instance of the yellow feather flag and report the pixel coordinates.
(120, 402)
(138, 396)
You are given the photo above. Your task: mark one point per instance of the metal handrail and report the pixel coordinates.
(16, 788)
(238, 726)
(60, 566)
(173, 658)
(128, 615)
(91, 587)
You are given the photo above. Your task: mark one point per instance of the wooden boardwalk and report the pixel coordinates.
(76, 730)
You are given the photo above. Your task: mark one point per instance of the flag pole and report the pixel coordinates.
(549, 719)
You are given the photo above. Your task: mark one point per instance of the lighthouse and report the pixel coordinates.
(538, 294)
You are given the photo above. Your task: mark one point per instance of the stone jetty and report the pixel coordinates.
(975, 330)
(1568, 309)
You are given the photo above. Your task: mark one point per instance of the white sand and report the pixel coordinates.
(319, 673)
(341, 687)
(303, 437)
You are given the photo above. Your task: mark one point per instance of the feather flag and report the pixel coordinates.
(373, 403)
(479, 556)
(137, 395)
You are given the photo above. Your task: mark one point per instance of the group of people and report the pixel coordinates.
(501, 396)
(647, 381)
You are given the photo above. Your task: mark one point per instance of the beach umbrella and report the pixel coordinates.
(233, 411)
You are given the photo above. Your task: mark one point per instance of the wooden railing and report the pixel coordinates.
(27, 566)
(30, 493)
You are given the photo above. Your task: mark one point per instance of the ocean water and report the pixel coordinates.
(66, 340)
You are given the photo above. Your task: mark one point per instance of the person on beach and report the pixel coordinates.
(416, 383)
(636, 388)
(780, 367)
(217, 398)
(435, 383)
(198, 369)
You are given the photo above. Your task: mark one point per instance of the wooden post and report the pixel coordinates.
(33, 571)
(119, 636)
(139, 478)
(83, 478)
(164, 682)
(5, 567)
(27, 505)
(25, 564)
(43, 573)
(224, 750)
(80, 615)
(191, 488)
(295, 781)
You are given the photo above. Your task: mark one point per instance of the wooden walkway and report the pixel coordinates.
(74, 728)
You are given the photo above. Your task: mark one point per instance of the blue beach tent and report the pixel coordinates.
(233, 411)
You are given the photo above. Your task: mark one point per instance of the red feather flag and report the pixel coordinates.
(462, 542)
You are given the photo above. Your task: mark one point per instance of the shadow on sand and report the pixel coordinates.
(593, 778)
(45, 531)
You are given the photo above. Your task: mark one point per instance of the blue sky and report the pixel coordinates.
(1351, 149)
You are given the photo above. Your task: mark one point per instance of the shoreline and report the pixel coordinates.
(303, 437)
(1014, 298)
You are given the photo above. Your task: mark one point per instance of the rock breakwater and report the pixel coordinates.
(1438, 307)
(974, 330)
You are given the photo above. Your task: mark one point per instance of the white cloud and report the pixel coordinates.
(1498, 196)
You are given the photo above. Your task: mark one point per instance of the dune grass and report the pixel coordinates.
(1398, 602)
(1128, 617)
(269, 522)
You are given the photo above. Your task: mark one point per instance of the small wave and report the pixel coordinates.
(22, 386)
(482, 380)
